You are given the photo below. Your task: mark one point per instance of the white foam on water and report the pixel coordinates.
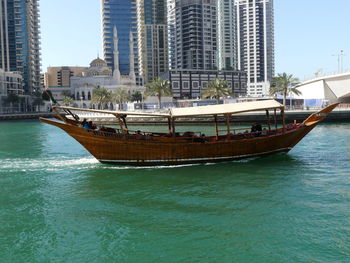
(46, 164)
(121, 167)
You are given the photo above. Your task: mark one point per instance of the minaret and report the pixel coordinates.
(116, 72)
(132, 58)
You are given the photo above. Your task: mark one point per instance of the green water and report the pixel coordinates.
(58, 204)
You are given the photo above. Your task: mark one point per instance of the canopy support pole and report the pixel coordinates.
(173, 126)
(228, 123)
(216, 127)
(169, 126)
(268, 119)
(275, 113)
(283, 120)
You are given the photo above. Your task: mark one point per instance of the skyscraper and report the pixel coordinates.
(171, 33)
(20, 40)
(227, 42)
(152, 38)
(196, 34)
(255, 45)
(122, 15)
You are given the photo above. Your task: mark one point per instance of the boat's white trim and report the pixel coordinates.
(196, 159)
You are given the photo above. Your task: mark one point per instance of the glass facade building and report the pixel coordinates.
(227, 44)
(20, 40)
(122, 15)
(153, 38)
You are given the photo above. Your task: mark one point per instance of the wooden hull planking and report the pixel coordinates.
(124, 149)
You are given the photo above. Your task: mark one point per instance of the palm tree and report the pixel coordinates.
(101, 96)
(120, 96)
(136, 96)
(37, 99)
(66, 93)
(216, 88)
(11, 100)
(159, 88)
(283, 83)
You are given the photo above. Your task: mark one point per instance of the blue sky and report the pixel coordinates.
(307, 34)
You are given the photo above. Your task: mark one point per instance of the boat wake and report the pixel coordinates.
(46, 164)
(86, 163)
(121, 167)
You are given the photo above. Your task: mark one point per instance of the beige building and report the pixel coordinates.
(60, 76)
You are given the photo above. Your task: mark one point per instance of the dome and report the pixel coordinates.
(98, 62)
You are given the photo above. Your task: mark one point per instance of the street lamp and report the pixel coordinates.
(340, 57)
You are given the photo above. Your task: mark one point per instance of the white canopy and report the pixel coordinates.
(223, 109)
(210, 110)
(120, 113)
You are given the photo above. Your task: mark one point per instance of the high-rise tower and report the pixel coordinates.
(227, 37)
(20, 40)
(152, 38)
(196, 34)
(171, 33)
(255, 45)
(122, 15)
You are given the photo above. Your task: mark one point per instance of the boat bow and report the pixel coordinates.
(320, 115)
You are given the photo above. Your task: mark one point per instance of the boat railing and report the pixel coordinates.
(239, 133)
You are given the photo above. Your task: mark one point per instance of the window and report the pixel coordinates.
(175, 84)
(185, 85)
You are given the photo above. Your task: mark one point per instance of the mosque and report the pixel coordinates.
(99, 75)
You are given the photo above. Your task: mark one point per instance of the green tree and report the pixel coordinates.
(216, 88)
(159, 88)
(68, 101)
(47, 95)
(11, 100)
(66, 93)
(120, 96)
(283, 83)
(37, 99)
(136, 96)
(101, 96)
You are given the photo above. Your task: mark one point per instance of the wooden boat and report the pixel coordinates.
(122, 146)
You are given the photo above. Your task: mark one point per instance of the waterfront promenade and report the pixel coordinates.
(25, 116)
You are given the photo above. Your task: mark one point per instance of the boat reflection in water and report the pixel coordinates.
(122, 146)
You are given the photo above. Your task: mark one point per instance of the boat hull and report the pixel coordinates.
(149, 150)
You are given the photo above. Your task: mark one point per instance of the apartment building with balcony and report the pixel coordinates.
(227, 37)
(195, 41)
(20, 40)
(255, 43)
(152, 32)
(60, 76)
